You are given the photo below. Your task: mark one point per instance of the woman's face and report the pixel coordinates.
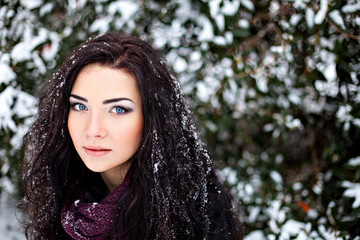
(105, 119)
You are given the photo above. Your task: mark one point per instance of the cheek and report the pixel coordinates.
(133, 132)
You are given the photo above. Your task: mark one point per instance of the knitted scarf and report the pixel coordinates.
(90, 220)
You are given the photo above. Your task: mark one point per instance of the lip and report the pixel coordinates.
(96, 151)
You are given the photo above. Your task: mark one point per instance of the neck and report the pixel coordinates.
(115, 176)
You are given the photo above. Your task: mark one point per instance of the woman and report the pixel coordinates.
(113, 153)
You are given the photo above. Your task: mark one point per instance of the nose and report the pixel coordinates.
(95, 126)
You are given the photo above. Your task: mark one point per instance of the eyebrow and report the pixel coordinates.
(116, 100)
(112, 100)
(79, 98)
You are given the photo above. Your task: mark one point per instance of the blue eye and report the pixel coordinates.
(119, 110)
(78, 107)
(81, 106)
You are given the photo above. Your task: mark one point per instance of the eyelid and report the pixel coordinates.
(74, 103)
(126, 109)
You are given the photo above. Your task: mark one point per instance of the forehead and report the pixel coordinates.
(96, 79)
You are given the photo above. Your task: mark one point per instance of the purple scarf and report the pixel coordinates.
(83, 220)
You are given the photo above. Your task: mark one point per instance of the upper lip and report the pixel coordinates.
(97, 148)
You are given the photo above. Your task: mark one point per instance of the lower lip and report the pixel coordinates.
(96, 153)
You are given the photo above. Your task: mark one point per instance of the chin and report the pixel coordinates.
(97, 169)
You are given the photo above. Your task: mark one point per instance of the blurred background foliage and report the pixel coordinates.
(274, 87)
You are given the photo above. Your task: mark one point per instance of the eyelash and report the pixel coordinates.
(73, 106)
(124, 110)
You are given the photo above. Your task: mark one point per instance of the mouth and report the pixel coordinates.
(96, 151)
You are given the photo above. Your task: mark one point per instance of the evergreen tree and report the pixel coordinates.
(274, 85)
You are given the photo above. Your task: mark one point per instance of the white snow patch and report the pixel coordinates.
(321, 14)
(351, 7)
(23, 50)
(50, 50)
(327, 65)
(10, 227)
(338, 20)
(254, 213)
(276, 212)
(352, 191)
(291, 228)
(327, 88)
(207, 32)
(294, 97)
(185, 11)
(261, 80)
(7, 74)
(228, 174)
(46, 9)
(274, 7)
(309, 17)
(344, 113)
(206, 89)
(180, 65)
(276, 177)
(230, 8)
(31, 4)
(294, 20)
(299, 4)
(24, 106)
(293, 123)
(243, 23)
(126, 9)
(255, 235)
(220, 40)
(101, 24)
(354, 161)
(248, 4)
(76, 5)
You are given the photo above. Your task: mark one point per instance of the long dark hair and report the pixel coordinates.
(170, 174)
